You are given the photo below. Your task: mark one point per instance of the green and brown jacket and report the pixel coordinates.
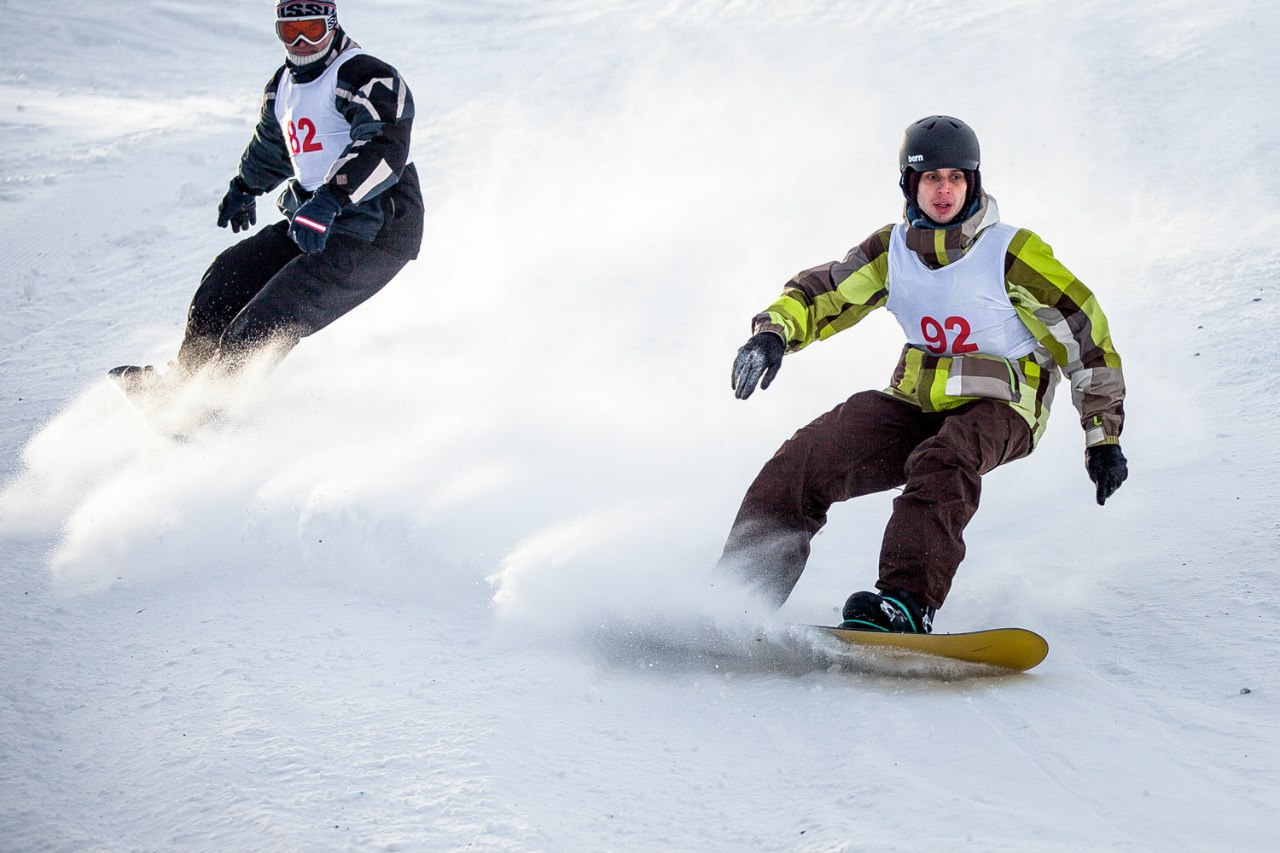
(1056, 307)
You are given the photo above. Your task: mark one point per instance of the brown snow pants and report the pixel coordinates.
(872, 443)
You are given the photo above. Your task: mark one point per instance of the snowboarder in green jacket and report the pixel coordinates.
(990, 317)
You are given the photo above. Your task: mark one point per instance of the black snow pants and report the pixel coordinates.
(265, 290)
(873, 443)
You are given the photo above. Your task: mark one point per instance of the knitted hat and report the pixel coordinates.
(305, 8)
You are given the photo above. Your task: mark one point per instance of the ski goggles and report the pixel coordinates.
(310, 30)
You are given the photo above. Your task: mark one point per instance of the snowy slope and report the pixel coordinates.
(446, 585)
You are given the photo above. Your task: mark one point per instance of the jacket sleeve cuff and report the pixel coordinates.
(340, 195)
(762, 323)
(239, 183)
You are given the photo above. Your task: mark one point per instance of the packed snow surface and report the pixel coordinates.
(445, 581)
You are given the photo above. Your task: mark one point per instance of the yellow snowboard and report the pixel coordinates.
(1010, 648)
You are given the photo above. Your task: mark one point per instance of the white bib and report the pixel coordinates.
(962, 308)
(315, 132)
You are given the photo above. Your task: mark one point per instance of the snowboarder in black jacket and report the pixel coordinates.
(334, 128)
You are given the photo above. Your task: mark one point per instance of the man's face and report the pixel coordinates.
(941, 194)
(305, 36)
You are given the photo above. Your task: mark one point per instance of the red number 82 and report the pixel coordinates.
(308, 142)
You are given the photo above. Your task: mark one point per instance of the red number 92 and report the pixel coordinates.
(935, 335)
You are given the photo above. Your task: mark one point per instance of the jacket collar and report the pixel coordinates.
(937, 247)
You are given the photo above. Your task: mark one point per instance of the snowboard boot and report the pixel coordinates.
(892, 611)
(133, 379)
(146, 382)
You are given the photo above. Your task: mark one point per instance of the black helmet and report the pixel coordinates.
(939, 142)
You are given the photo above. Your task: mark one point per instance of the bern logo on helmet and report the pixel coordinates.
(915, 158)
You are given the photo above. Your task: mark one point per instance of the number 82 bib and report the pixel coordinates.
(314, 131)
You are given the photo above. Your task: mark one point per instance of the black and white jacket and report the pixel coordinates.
(372, 178)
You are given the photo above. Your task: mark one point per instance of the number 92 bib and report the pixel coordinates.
(962, 308)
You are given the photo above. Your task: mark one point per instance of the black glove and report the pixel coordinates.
(238, 207)
(760, 356)
(1107, 468)
(311, 224)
